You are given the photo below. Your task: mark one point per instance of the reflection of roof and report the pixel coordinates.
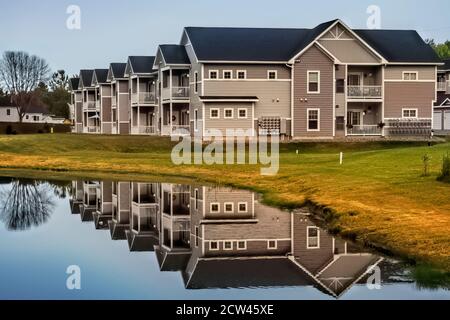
(171, 261)
(141, 242)
(240, 273)
(101, 220)
(117, 230)
(86, 214)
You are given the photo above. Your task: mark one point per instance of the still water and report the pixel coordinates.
(135, 240)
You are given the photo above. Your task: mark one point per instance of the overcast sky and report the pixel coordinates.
(112, 30)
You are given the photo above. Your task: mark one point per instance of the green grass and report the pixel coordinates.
(379, 196)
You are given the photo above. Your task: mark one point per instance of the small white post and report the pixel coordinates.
(297, 151)
(341, 158)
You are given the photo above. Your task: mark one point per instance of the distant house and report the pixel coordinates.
(441, 114)
(35, 114)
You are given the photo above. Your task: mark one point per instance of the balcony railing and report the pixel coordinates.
(143, 130)
(113, 102)
(180, 92)
(442, 86)
(364, 130)
(91, 129)
(144, 97)
(181, 129)
(364, 92)
(90, 105)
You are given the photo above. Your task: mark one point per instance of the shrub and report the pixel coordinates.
(426, 164)
(9, 129)
(445, 171)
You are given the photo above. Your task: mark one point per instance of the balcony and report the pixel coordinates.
(364, 130)
(364, 92)
(91, 129)
(90, 105)
(149, 130)
(144, 98)
(114, 101)
(176, 93)
(442, 86)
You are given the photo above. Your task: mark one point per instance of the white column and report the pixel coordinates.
(171, 109)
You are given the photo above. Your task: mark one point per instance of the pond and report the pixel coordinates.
(131, 240)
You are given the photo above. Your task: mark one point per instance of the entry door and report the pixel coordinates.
(354, 79)
(354, 118)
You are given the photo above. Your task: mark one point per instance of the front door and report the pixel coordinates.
(354, 79)
(354, 118)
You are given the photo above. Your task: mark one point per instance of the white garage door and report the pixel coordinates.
(437, 120)
(447, 120)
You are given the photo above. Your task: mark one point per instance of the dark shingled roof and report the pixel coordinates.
(281, 45)
(86, 77)
(118, 69)
(441, 97)
(142, 64)
(101, 75)
(446, 65)
(174, 54)
(73, 83)
(399, 45)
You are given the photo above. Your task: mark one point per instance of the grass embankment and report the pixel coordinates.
(378, 196)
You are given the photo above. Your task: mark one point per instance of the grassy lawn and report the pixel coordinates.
(378, 196)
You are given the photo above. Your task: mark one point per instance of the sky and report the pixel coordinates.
(110, 31)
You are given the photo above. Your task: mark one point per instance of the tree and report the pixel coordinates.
(441, 49)
(58, 97)
(20, 75)
(59, 81)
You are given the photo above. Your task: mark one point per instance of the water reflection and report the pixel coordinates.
(27, 203)
(221, 238)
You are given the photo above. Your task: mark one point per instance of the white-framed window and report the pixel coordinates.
(313, 81)
(8, 112)
(196, 197)
(228, 113)
(214, 207)
(313, 118)
(272, 244)
(242, 113)
(197, 235)
(241, 245)
(242, 207)
(272, 74)
(410, 75)
(36, 118)
(228, 245)
(409, 113)
(196, 82)
(196, 120)
(214, 245)
(241, 74)
(213, 74)
(214, 113)
(228, 207)
(227, 74)
(27, 117)
(313, 238)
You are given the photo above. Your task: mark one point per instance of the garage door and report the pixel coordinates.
(437, 120)
(447, 120)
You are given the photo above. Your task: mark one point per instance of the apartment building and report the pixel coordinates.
(441, 115)
(76, 105)
(327, 82)
(120, 106)
(102, 100)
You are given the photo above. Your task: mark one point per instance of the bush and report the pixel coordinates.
(445, 171)
(9, 129)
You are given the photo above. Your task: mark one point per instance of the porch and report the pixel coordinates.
(364, 83)
(175, 84)
(143, 91)
(175, 119)
(143, 120)
(364, 119)
(91, 122)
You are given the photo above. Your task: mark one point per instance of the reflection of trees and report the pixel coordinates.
(26, 203)
(60, 188)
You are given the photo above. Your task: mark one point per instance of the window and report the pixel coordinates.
(228, 113)
(272, 75)
(196, 120)
(242, 245)
(197, 234)
(409, 113)
(410, 75)
(242, 74)
(213, 74)
(242, 207)
(313, 119)
(227, 74)
(229, 207)
(215, 207)
(242, 113)
(313, 81)
(35, 118)
(272, 244)
(214, 114)
(196, 198)
(313, 241)
(213, 245)
(27, 117)
(340, 86)
(228, 245)
(8, 112)
(196, 82)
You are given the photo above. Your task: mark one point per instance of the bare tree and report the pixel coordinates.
(25, 204)
(20, 75)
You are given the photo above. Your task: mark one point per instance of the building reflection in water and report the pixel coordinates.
(221, 238)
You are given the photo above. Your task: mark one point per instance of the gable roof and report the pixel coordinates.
(100, 76)
(141, 64)
(116, 70)
(446, 65)
(86, 78)
(73, 83)
(174, 54)
(442, 100)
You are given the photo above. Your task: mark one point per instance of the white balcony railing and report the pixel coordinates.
(143, 130)
(442, 86)
(181, 129)
(97, 104)
(364, 92)
(90, 105)
(144, 97)
(364, 130)
(180, 92)
(91, 129)
(113, 102)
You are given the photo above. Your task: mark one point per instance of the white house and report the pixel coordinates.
(34, 115)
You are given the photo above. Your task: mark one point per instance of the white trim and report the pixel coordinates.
(225, 113)
(225, 207)
(249, 80)
(195, 82)
(217, 75)
(239, 207)
(307, 238)
(318, 82)
(410, 109)
(237, 245)
(211, 205)
(270, 247)
(237, 74)
(223, 74)
(272, 71)
(225, 248)
(230, 100)
(214, 109)
(307, 119)
(216, 242)
(239, 113)
(410, 73)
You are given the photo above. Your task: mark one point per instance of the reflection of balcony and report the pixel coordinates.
(364, 92)
(90, 105)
